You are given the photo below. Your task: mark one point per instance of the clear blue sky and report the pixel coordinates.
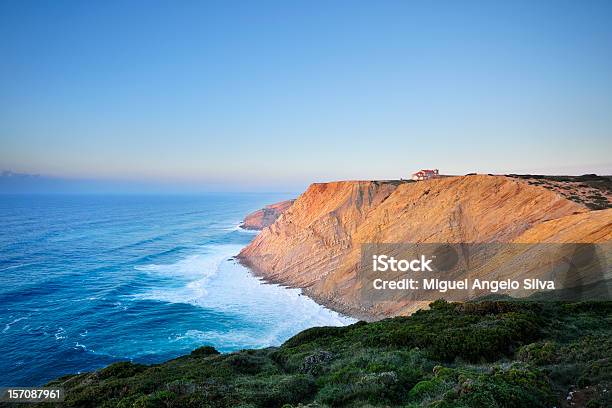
(274, 95)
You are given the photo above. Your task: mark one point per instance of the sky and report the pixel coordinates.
(273, 95)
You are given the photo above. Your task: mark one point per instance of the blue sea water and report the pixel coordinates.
(87, 280)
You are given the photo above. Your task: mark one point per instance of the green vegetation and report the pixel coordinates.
(599, 187)
(482, 354)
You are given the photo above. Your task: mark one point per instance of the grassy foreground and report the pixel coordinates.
(486, 354)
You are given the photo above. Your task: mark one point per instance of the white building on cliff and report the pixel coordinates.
(425, 174)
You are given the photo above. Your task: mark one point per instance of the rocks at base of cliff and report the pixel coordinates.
(265, 217)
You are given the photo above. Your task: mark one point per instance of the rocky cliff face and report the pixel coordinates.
(316, 243)
(260, 219)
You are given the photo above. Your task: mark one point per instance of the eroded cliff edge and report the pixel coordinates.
(266, 216)
(315, 244)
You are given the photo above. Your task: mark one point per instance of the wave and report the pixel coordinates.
(15, 266)
(10, 324)
(193, 272)
(235, 339)
(237, 227)
(271, 328)
(254, 313)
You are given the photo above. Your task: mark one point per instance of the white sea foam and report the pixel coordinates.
(60, 334)
(262, 314)
(248, 231)
(193, 272)
(237, 227)
(232, 339)
(201, 264)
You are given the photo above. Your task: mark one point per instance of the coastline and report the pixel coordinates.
(326, 302)
(305, 367)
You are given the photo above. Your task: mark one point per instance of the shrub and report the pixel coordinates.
(121, 369)
(541, 353)
(315, 363)
(204, 351)
(426, 388)
(275, 391)
(314, 335)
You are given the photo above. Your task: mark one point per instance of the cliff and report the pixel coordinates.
(316, 243)
(265, 217)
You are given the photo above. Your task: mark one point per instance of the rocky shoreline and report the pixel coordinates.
(326, 301)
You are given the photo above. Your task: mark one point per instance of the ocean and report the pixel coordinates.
(88, 280)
